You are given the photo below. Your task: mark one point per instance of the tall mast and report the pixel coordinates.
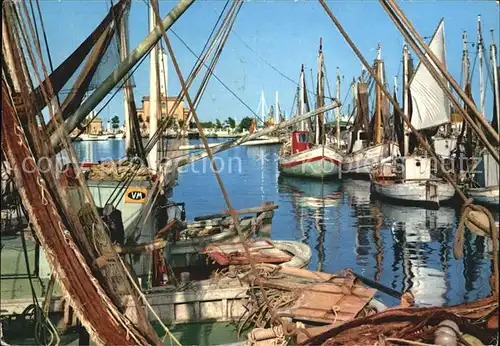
(496, 84)
(119, 73)
(153, 92)
(276, 111)
(319, 118)
(263, 107)
(378, 109)
(302, 100)
(480, 49)
(337, 111)
(406, 96)
(465, 63)
(465, 60)
(126, 89)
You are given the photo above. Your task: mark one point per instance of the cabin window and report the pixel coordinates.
(303, 138)
(417, 164)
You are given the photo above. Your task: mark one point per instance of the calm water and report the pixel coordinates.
(401, 247)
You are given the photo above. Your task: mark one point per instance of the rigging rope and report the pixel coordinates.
(45, 332)
(231, 211)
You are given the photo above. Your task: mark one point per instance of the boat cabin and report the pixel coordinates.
(360, 142)
(417, 168)
(300, 141)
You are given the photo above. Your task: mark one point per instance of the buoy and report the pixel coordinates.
(446, 333)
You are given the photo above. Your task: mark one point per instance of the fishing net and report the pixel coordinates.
(66, 220)
(90, 64)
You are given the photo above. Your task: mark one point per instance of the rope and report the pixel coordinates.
(492, 232)
(44, 329)
(408, 342)
(145, 300)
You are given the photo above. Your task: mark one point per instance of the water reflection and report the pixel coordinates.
(422, 236)
(309, 200)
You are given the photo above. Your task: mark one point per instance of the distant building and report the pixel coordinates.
(95, 126)
(167, 103)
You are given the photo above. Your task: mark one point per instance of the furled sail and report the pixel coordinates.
(430, 103)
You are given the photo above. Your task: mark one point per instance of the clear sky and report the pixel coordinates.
(286, 33)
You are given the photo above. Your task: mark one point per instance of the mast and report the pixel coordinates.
(319, 100)
(121, 71)
(301, 99)
(465, 64)
(263, 105)
(496, 85)
(480, 49)
(153, 92)
(465, 60)
(126, 89)
(337, 111)
(276, 111)
(395, 85)
(406, 98)
(378, 110)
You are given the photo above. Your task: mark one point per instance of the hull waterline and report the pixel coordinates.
(317, 162)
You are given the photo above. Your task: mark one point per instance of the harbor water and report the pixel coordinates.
(404, 248)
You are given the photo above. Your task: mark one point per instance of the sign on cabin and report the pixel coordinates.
(135, 195)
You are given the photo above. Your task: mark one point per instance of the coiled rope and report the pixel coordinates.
(491, 231)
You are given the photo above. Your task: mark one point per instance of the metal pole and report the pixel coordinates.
(121, 71)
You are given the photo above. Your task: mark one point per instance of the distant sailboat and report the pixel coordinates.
(270, 122)
(308, 154)
(409, 178)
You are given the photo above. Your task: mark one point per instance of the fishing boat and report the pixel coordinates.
(409, 178)
(487, 179)
(308, 152)
(93, 137)
(369, 144)
(484, 188)
(412, 184)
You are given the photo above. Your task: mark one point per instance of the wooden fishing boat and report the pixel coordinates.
(309, 153)
(361, 162)
(487, 177)
(313, 161)
(484, 195)
(264, 140)
(367, 150)
(413, 184)
(409, 178)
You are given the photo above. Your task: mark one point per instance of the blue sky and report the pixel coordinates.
(286, 33)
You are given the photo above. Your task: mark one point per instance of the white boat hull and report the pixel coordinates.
(418, 191)
(362, 161)
(485, 195)
(263, 141)
(317, 162)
